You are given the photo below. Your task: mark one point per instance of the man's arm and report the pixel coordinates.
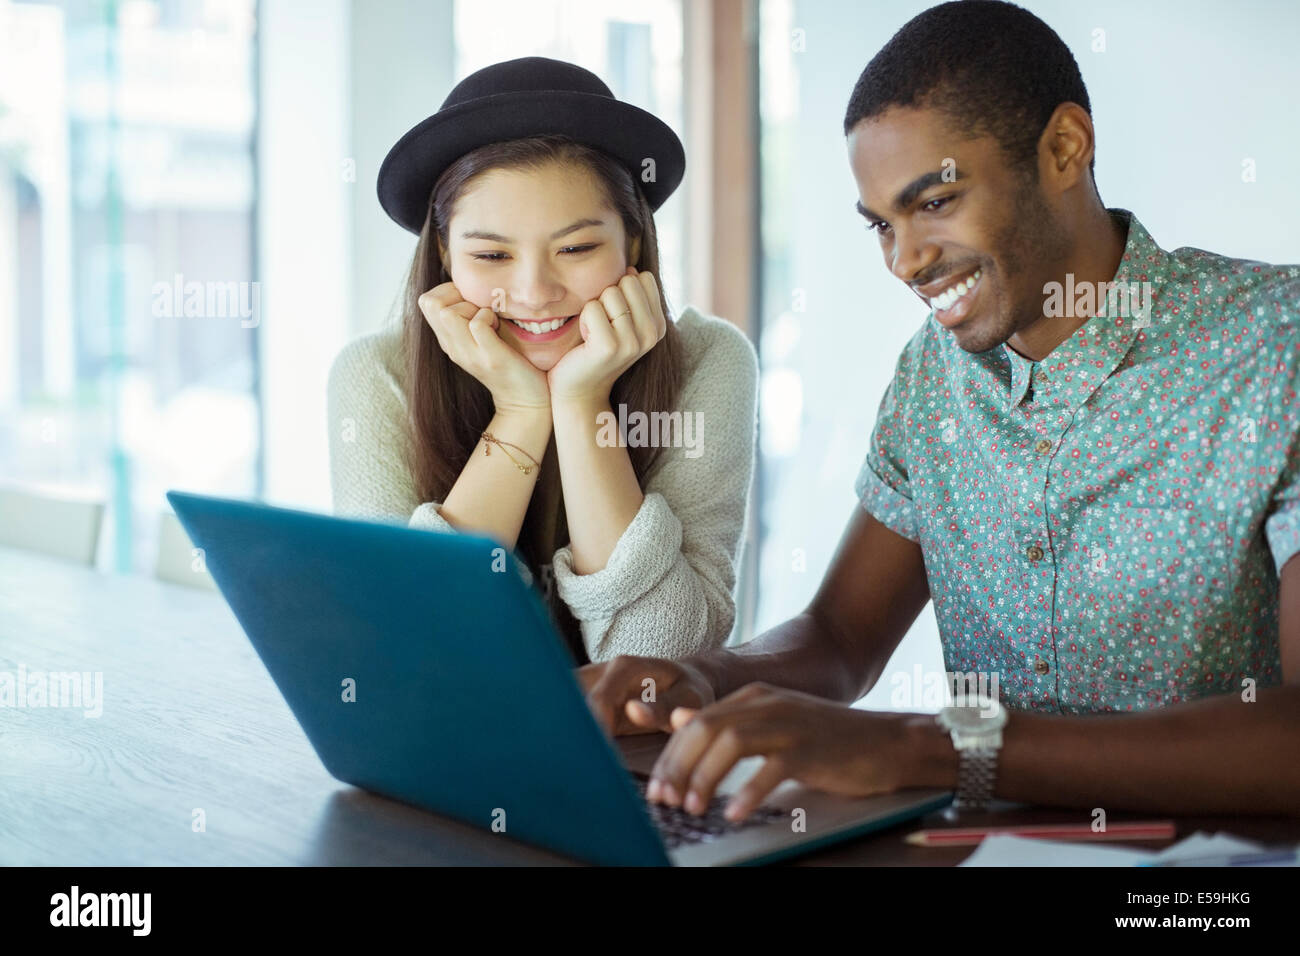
(835, 649)
(1222, 754)
(838, 647)
(1217, 755)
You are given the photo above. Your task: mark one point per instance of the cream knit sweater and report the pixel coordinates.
(666, 590)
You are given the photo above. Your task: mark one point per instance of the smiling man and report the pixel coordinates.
(1088, 459)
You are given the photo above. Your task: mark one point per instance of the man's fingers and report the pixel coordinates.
(603, 713)
(681, 716)
(766, 779)
(627, 680)
(641, 714)
(684, 749)
(637, 718)
(714, 763)
(741, 712)
(615, 683)
(662, 713)
(588, 674)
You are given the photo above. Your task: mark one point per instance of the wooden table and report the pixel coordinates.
(192, 722)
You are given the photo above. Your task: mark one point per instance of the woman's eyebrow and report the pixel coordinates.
(494, 237)
(575, 226)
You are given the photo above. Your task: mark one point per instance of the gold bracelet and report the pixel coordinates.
(489, 440)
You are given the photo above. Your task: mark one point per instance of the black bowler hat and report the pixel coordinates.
(531, 96)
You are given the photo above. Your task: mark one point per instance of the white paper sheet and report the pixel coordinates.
(1002, 850)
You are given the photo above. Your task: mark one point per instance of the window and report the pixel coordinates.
(128, 306)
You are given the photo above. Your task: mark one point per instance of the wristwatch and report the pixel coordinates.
(977, 736)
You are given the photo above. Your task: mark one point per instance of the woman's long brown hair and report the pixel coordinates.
(449, 409)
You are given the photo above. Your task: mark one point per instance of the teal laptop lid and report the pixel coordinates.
(422, 667)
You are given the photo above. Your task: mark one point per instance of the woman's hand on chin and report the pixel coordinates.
(469, 336)
(618, 327)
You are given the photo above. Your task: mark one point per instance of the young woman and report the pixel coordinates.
(534, 331)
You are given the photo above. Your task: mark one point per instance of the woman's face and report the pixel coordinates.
(534, 246)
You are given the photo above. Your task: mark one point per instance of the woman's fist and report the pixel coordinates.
(468, 334)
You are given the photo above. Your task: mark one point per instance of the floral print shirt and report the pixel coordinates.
(1105, 529)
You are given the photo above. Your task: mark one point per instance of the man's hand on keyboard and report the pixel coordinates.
(637, 695)
(821, 744)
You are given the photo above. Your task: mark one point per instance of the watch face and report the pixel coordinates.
(966, 719)
(985, 716)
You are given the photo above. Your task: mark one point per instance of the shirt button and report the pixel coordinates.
(1043, 446)
(1034, 553)
(1040, 667)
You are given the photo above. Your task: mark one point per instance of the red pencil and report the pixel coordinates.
(970, 836)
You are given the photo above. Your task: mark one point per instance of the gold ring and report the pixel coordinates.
(621, 314)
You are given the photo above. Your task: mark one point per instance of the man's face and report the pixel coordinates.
(973, 237)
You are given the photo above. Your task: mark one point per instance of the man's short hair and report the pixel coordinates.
(993, 68)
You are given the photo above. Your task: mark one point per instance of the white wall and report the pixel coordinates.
(1182, 94)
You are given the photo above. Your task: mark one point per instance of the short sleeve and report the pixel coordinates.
(1282, 525)
(883, 485)
(1282, 520)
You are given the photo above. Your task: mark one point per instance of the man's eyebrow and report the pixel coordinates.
(559, 233)
(912, 190)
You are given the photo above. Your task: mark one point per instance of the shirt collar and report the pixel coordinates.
(1072, 371)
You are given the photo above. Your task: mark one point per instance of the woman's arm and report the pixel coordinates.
(369, 472)
(601, 491)
(665, 589)
(368, 414)
(491, 495)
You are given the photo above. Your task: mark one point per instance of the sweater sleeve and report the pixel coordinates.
(666, 590)
(369, 475)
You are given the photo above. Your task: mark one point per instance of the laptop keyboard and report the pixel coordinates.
(679, 827)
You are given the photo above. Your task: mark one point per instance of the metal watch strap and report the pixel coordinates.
(976, 771)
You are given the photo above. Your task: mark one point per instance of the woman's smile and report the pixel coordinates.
(539, 330)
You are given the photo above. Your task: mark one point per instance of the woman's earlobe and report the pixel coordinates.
(635, 255)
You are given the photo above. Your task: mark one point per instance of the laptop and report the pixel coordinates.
(422, 667)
